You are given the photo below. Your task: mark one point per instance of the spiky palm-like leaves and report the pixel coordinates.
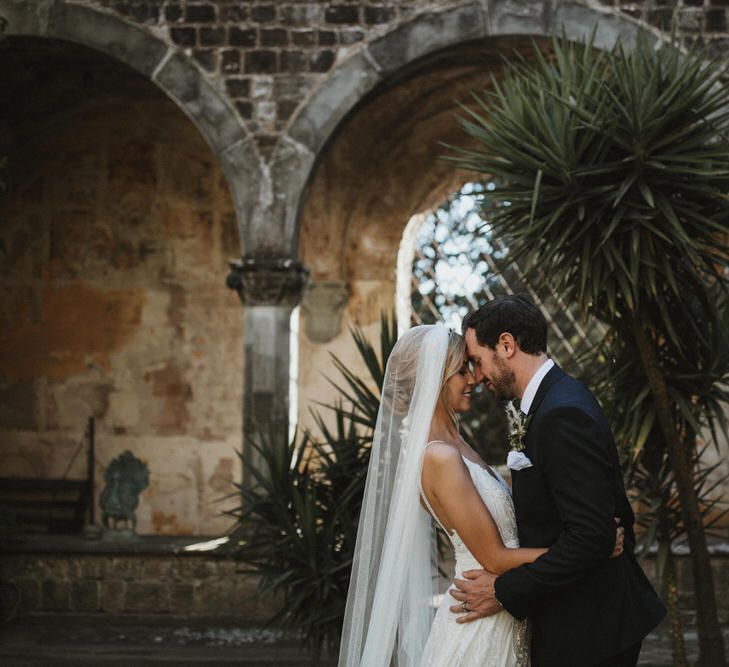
(613, 170)
(702, 375)
(357, 391)
(301, 516)
(651, 481)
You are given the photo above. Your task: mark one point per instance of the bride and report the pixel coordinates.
(422, 471)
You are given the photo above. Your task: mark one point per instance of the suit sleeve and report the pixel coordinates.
(574, 454)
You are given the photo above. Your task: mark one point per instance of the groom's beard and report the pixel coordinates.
(503, 381)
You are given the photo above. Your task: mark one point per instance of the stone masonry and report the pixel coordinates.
(199, 585)
(270, 55)
(190, 585)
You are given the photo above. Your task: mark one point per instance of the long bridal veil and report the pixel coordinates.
(394, 574)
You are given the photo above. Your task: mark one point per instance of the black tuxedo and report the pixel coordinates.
(583, 606)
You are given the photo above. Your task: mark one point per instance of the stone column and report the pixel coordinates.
(269, 289)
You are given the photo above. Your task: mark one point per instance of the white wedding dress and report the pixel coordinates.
(388, 617)
(496, 641)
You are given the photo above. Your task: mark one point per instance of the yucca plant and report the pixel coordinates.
(613, 171)
(649, 477)
(653, 489)
(705, 376)
(3, 158)
(300, 518)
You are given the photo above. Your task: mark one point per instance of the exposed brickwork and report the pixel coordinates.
(704, 20)
(287, 46)
(294, 43)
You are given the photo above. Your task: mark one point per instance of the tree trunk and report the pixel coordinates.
(711, 643)
(670, 591)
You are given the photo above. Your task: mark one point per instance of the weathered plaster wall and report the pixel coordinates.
(367, 300)
(381, 168)
(113, 303)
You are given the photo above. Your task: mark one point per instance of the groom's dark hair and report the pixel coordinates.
(516, 314)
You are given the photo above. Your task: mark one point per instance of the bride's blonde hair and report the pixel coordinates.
(407, 360)
(453, 363)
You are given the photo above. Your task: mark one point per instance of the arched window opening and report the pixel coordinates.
(449, 263)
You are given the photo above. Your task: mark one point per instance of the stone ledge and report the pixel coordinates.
(207, 585)
(143, 545)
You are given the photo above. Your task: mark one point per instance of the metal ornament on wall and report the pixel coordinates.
(322, 308)
(126, 477)
(268, 281)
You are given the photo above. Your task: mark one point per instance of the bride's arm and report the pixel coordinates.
(446, 480)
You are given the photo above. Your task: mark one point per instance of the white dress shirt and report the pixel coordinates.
(531, 389)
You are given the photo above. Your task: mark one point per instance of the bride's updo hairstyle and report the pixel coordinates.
(453, 363)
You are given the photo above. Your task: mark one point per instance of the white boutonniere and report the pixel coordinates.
(518, 426)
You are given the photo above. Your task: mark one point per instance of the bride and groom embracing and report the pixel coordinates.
(542, 578)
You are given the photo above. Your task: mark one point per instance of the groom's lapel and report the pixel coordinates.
(549, 380)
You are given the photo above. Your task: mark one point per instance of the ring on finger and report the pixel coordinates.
(464, 606)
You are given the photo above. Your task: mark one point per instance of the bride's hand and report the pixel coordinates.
(619, 539)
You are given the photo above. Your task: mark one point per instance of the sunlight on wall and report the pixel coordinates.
(404, 285)
(294, 372)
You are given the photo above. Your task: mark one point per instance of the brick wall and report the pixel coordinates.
(268, 56)
(695, 19)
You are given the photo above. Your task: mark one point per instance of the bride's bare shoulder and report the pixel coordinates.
(439, 453)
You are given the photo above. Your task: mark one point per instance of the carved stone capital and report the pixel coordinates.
(322, 306)
(268, 281)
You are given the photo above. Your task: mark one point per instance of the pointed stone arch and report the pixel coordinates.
(167, 67)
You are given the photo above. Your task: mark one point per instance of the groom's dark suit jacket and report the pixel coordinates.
(583, 606)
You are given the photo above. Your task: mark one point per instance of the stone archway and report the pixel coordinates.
(366, 148)
(393, 56)
(214, 116)
(116, 225)
(169, 69)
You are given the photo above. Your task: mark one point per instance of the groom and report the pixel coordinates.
(584, 608)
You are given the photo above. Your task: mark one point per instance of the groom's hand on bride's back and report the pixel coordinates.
(476, 589)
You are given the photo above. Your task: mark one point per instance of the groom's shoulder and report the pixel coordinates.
(569, 392)
(563, 384)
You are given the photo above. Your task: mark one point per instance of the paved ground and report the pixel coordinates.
(136, 641)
